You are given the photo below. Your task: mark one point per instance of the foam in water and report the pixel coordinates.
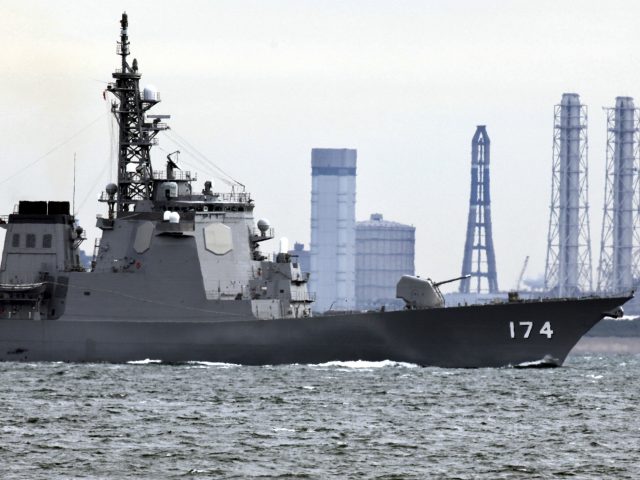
(363, 364)
(146, 361)
(545, 362)
(214, 364)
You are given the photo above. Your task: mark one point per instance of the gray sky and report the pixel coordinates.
(254, 85)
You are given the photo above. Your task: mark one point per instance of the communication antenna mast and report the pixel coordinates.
(479, 256)
(135, 135)
(618, 269)
(568, 264)
(73, 208)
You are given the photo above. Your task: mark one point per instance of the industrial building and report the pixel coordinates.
(620, 243)
(568, 263)
(479, 260)
(333, 233)
(385, 251)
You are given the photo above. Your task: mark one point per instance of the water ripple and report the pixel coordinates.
(372, 420)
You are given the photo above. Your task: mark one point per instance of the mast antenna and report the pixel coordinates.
(73, 208)
(136, 135)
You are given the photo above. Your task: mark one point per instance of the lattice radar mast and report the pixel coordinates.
(136, 135)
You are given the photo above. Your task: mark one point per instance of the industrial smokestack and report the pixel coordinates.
(568, 265)
(617, 263)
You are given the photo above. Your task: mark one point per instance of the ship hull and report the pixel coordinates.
(511, 334)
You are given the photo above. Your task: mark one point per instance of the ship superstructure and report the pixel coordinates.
(200, 247)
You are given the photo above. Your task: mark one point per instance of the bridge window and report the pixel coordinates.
(46, 240)
(31, 240)
(15, 241)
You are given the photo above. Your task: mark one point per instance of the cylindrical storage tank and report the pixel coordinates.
(385, 251)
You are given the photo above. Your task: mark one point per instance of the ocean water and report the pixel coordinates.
(338, 420)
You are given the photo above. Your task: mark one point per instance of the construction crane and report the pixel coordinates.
(524, 267)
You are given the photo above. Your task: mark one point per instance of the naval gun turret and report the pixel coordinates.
(419, 293)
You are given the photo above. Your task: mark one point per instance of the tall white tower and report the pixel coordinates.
(619, 251)
(333, 232)
(568, 266)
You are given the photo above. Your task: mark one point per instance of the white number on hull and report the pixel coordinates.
(546, 330)
(526, 328)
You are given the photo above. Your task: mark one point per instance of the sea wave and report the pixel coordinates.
(146, 361)
(213, 364)
(382, 421)
(363, 364)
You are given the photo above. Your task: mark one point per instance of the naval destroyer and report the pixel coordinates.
(178, 276)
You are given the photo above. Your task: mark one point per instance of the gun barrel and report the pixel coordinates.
(437, 284)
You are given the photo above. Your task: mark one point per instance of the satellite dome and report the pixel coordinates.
(174, 217)
(263, 225)
(111, 188)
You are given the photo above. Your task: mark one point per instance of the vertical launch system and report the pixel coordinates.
(479, 256)
(568, 264)
(619, 250)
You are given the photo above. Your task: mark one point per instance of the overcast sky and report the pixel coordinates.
(255, 85)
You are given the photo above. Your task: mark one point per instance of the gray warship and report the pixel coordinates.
(178, 276)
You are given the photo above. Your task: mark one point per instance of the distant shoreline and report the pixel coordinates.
(607, 345)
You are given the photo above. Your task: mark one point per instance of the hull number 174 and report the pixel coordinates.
(523, 329)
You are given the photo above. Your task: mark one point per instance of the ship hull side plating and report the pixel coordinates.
(473, 336)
